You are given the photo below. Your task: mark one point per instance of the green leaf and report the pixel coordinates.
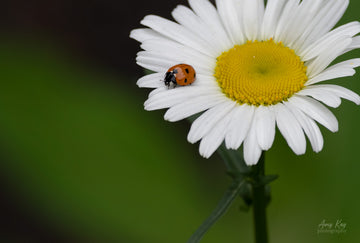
(220, 210)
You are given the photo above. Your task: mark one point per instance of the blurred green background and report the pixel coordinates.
(81, 161)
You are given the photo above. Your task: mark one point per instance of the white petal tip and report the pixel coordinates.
(171, 119)
(251, 162)
(319, 147)
(317, 150)
(145, 19)
(139, 84)
(335, 128)
(191, 140)
(230, 144)
(232, 147)
(205, 155)
(357, 100)
(206, 151)
(265, 147)
(300, 152)
(148, 107)
(132, 34)
(252, 159)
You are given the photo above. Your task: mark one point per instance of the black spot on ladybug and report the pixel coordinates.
(186, 80)
(186, 70)
(194, 75)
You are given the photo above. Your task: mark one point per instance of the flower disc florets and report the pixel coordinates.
(260, 73)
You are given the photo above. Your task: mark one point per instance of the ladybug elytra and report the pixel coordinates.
(180, 74)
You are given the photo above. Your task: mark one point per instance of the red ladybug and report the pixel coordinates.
(180, 74)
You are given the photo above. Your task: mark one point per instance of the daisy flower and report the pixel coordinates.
(257, 67)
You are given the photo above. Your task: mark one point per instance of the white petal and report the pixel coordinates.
(271, 17)
(186, 17)
(206, 80)
(178, 33)
(252, 150)
(208, 13)
(193, 106)
(325, 58)
(179, 53)
(332, 16)
(290, 129)
(211, 141)
(352, 63)
(146, 34)
(154, 62)
(198, 28)
(355, 44)
(162, 61)
(202, 125)
(153, 80)
(239, 126)
(338, 91)
(265, 126)
(310, 128)
(253, 13)
(158, 61)
(231, 20)
(322, 44)
(325, 97)
(316, 111)
(343, 69)
(308, 10)
(298, 21)
(158, 91)
(326, 18)
(285, 18)
(168, 97)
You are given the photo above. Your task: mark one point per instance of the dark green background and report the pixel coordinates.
(81, 161)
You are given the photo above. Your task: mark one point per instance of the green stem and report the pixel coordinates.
(259, 202)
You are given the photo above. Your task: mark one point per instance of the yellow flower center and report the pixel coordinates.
(260, 73)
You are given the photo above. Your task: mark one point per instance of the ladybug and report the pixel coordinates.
(180, 74)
